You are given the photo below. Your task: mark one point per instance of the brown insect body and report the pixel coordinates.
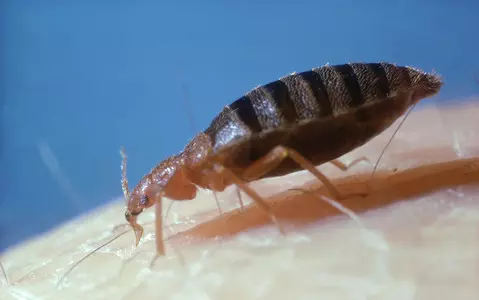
(297, 122)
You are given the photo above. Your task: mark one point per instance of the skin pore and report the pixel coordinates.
(416, 236)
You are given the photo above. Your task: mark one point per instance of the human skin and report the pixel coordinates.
(415, 235)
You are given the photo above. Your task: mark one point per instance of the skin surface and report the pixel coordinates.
(415, 236)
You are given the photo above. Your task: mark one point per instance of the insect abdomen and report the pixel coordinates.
(318, 93)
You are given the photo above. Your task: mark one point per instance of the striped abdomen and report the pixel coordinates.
(320, 93)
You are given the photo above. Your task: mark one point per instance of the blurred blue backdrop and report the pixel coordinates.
(80, 78)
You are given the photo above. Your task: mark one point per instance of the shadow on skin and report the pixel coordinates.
(301, 209)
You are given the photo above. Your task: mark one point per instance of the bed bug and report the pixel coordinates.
(295, 123)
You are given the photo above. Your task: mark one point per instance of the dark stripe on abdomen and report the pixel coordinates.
(319, 91)
(382, 83)
(282, 98)
(351, 83)
(245, 111)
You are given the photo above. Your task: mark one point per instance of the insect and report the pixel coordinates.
(295, 123)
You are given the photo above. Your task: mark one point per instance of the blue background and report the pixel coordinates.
(84, 77)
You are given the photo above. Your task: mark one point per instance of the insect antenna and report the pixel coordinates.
(390, 140)
(4, 273)
(124, 179)
(88, 255)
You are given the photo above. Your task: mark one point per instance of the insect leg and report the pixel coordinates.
(222, 171)
(217, 202)
(238, 193)
(344, 167)
(274, 158)
(160, 246)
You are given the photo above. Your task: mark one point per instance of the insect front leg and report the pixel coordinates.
(160, 245)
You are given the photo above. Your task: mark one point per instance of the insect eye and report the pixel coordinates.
(144, 200)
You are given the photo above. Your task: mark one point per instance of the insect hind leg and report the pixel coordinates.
(276, 156)
(272, 160)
